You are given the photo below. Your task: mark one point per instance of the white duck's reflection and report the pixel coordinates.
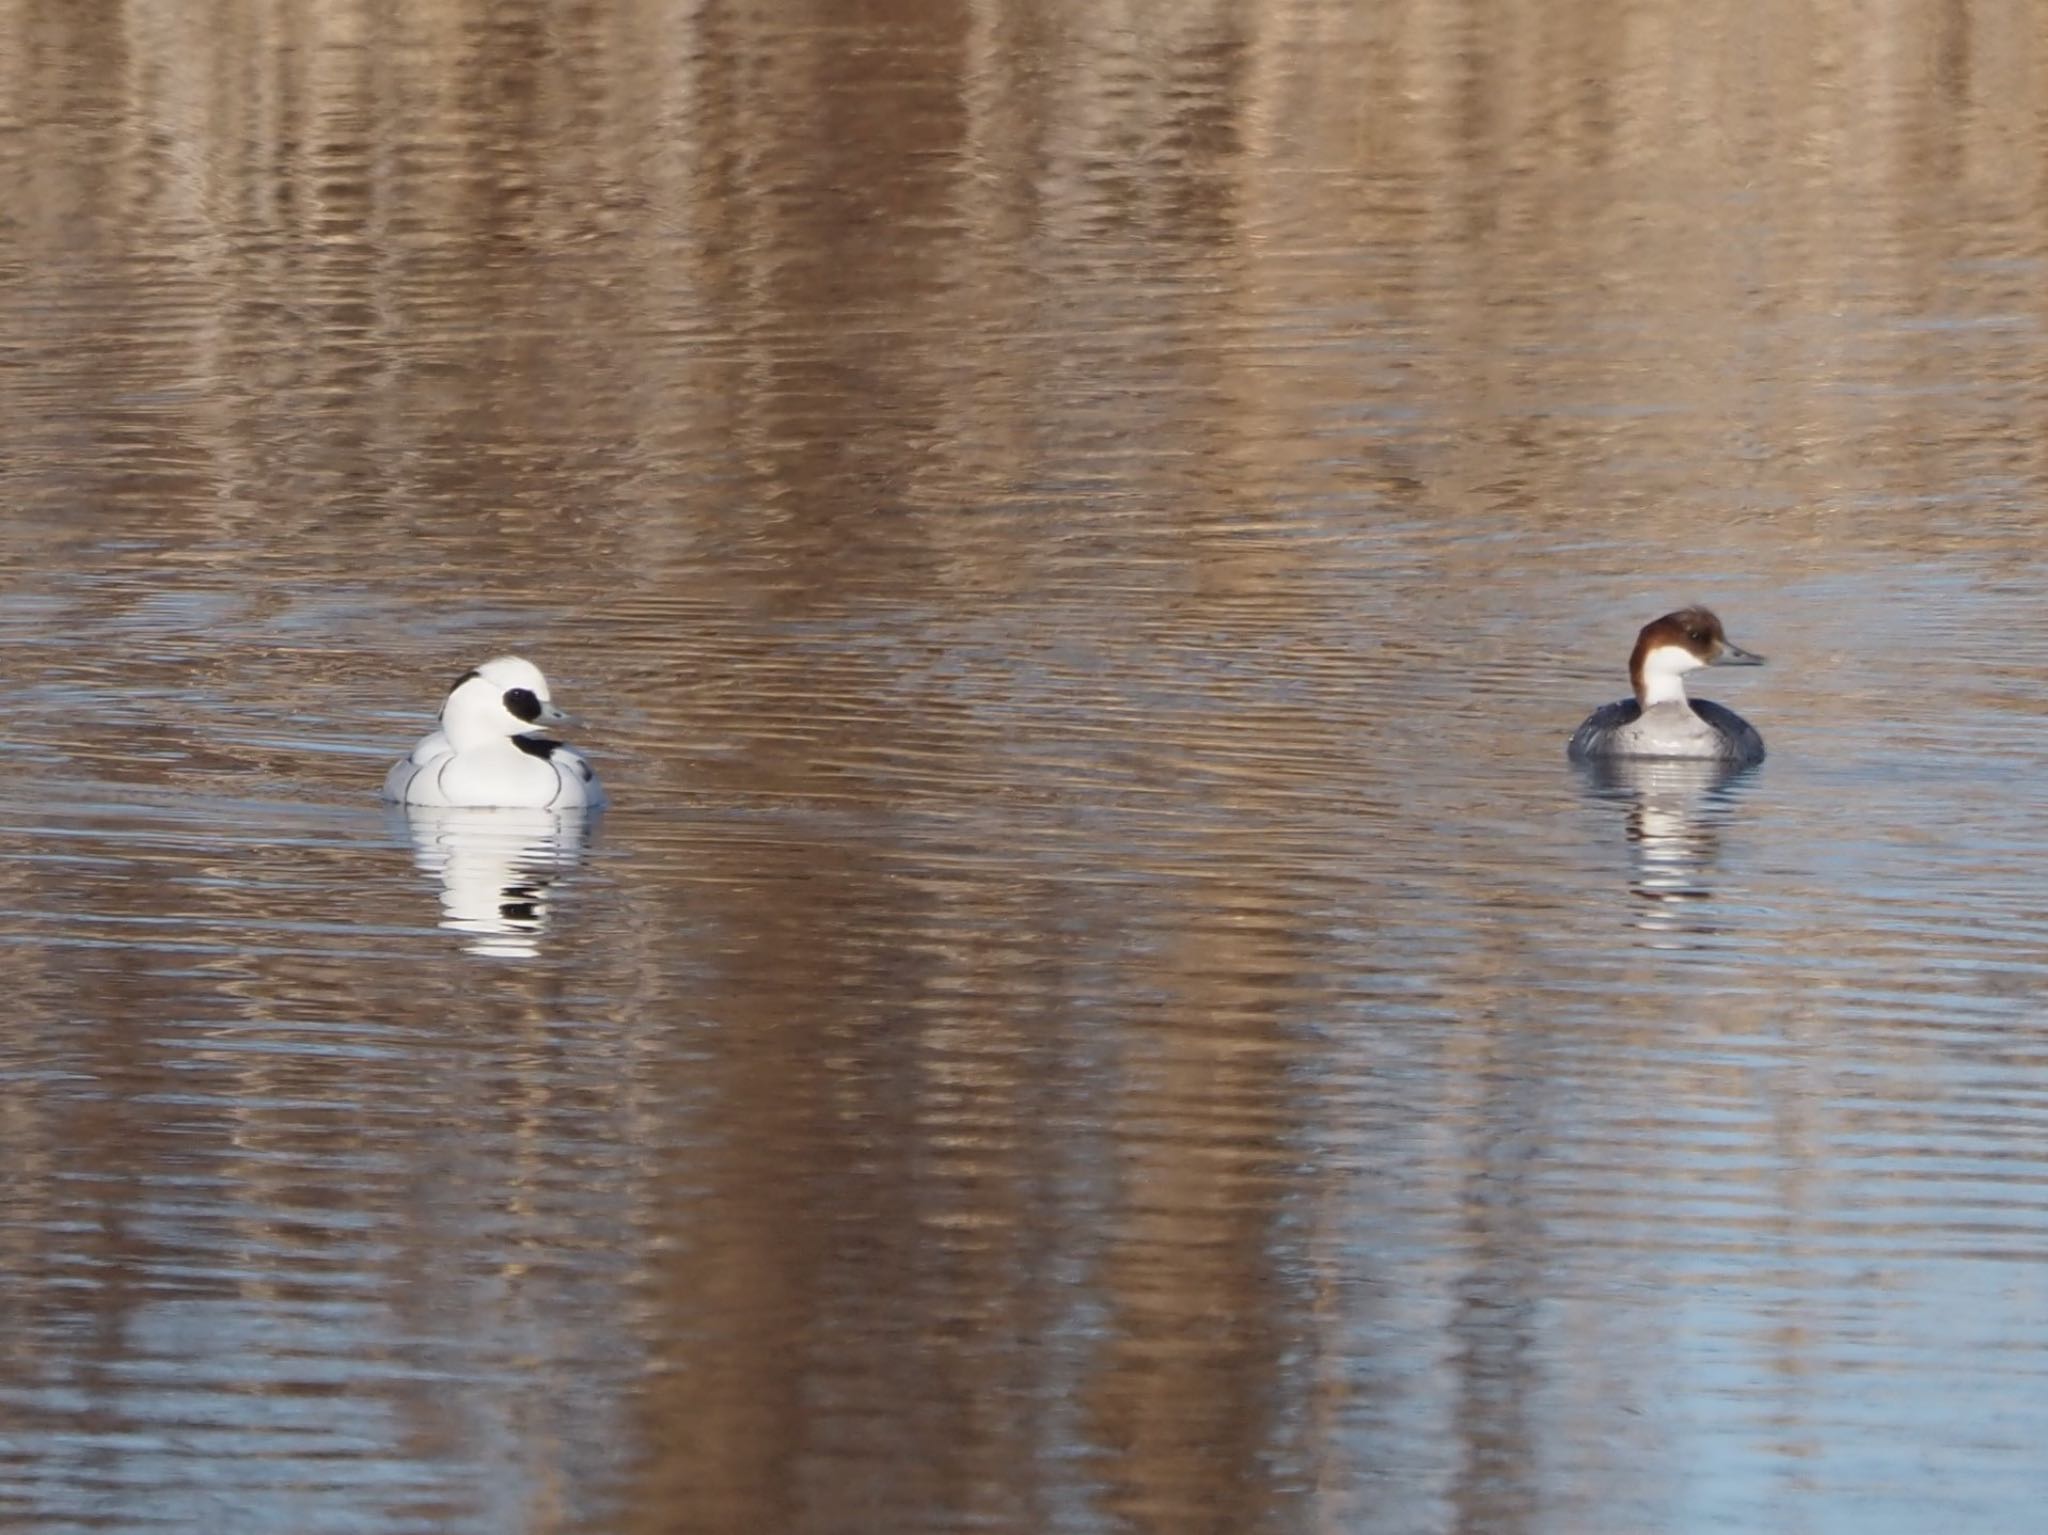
(496, 868)
(1678, 809)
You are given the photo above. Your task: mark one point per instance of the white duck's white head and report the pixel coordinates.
(505, 697)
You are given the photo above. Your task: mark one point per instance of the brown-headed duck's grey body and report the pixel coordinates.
(1660, 721)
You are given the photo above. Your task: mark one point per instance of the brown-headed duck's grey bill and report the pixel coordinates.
(1735, 655)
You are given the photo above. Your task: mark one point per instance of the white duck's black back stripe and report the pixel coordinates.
(472, 672)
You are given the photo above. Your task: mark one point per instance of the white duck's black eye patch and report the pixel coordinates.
(522, 704)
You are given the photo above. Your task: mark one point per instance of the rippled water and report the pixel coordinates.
(1079, 533)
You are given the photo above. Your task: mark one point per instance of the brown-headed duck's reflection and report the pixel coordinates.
(1678, 810)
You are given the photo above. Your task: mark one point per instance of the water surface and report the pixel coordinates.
(1079, 534)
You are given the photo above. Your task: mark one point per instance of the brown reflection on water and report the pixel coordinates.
(562, 277)
(1198, 1399)
(918, 1073)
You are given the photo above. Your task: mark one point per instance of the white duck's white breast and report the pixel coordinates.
(518, 773)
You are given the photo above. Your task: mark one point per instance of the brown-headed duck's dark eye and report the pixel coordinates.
(522, 704)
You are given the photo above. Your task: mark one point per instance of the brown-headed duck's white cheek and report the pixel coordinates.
(1662, 669)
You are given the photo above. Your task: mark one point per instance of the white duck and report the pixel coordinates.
(485, 753)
